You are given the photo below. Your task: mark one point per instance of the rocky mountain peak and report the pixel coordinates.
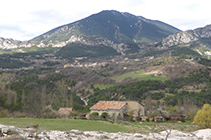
(117, 13)
(119, 27)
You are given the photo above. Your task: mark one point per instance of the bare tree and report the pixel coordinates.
(11, 96)
(60, 94)
(23, 97)
(32, 104)
(43, 96)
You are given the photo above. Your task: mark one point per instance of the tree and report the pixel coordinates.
(23, 97)
(33, 104)
(191, 115)
(60, 97)
(203, 116)
(43, 96)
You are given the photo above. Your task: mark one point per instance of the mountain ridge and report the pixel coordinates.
(116, 26)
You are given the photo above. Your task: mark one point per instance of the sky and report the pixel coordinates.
(26, 19)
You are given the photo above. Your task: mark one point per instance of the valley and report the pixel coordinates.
(87, 76)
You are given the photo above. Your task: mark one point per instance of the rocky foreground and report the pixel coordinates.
(12, 132)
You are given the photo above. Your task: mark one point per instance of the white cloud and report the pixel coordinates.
(25, 19)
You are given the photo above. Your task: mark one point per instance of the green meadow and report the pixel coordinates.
(141, 75)
(66, 124)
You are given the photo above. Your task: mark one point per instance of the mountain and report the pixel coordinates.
(115, 26)
(186, 37)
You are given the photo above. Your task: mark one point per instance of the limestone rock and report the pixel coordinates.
(186, 36)
(11, 132)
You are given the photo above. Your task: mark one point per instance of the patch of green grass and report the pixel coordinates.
(66, 124)
(141, 75)
(147, 127)
(102, 86)
(111, 71)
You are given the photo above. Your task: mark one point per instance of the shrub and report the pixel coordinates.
(147, 119)
(140, 119)
(94, 116)
(95, 113)
(49, 112)
(4, 113)
(104, 116)
(191, 115)
(73, 114)
(131, 116)
(19, 115)
(183, 119)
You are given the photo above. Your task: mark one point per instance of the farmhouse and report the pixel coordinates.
(119, 109)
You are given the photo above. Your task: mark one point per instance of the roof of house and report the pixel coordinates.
(64, 111)
(109, 105)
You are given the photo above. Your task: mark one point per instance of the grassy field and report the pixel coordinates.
(141, 75)
(66, 124)
(91, 125)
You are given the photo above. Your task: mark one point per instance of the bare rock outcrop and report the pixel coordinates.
(186, 36)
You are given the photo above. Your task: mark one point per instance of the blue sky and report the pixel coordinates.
(25, 19)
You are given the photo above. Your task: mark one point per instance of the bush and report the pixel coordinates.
(4, 113)
(140, 119)
(19, 115)
(147, 119)
(94, 116)
(183, 119)
(131, 116)
(104, 116)
(49, 112)
(191, 115)
(73, 114)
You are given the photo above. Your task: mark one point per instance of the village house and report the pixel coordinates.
(119, 109)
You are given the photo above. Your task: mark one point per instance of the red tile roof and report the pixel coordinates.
(106, 105)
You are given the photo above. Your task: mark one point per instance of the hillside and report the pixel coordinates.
(115, 26)
(117, 77)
